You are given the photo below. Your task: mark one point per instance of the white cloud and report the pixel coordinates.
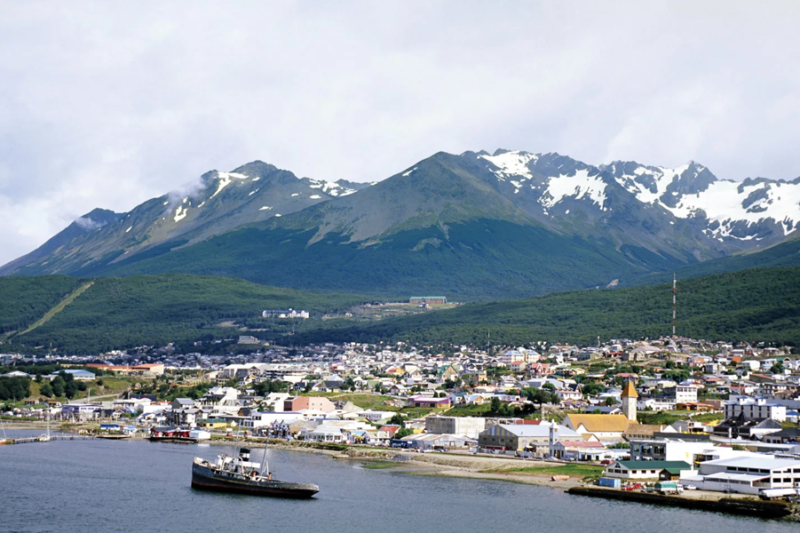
(109, 104)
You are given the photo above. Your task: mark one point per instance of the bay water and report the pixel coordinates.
(110, 486)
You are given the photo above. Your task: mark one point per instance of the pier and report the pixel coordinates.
(29, 440)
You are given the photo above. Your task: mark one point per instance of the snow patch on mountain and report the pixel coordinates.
(225, 179)
(331, 188)
(649, 184)
(511, 164)
(181, 213)
(727, 202)
(730, 207)
(580, 185)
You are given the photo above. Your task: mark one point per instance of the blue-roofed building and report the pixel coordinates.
(78, 374)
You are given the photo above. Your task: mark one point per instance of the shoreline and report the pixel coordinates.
(492, 468)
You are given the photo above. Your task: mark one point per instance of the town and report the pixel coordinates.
(668, 414)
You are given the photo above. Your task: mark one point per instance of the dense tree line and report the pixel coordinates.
(26, 300)
(15, 388)
(753, 305)
(155, 310)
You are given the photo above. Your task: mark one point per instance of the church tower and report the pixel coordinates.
(629, 399)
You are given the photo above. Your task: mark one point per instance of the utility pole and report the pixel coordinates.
(674, 302)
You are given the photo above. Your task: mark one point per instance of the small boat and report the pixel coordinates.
(237, 474)
(170, 434)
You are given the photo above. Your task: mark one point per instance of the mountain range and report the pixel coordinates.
(473, 226)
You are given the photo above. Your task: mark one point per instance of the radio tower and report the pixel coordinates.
(674, 302)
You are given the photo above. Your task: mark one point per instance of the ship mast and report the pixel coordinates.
(264, 459)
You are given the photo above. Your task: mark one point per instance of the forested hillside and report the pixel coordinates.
(125, 312)
(24, 300)
(753, 305)
(782, 255)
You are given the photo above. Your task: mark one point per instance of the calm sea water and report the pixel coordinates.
(109, 486)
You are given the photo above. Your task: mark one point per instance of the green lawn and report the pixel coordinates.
(364, 400)
(564, 470)
(469, 410)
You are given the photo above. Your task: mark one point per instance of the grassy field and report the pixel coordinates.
(469, 410)
(361, 399)
(669, 417)
(563, 470)
(111, 385)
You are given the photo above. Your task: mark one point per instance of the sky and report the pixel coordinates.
(108, 104)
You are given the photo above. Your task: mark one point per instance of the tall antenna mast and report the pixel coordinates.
(674, 302)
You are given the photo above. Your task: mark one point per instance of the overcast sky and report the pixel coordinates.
(107, 104)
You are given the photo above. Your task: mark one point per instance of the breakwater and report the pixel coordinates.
(745, 507)
(30, 440)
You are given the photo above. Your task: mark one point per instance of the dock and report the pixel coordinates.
(29, 440)
(746, 507)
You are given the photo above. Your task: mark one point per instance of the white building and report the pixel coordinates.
(655, 404)
(682, 393)
(747, 474)
(752, 408)
(468, 426)
(258, 419)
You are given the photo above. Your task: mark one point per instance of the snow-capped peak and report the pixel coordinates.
(511, 164)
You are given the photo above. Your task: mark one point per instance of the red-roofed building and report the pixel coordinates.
(540, 369)
(579, 450)
(153, 368)
(427, 401)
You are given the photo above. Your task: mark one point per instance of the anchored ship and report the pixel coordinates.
(237, 474)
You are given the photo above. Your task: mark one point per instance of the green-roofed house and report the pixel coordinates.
(647, 469)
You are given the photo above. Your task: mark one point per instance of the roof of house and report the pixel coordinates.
(766, 462)
(643, 429)
(599, 423)
(541, 430)
(655, 465)
(581, 444)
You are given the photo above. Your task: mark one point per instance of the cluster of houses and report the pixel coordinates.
(748, 395)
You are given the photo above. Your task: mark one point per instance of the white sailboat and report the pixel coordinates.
(46, 437)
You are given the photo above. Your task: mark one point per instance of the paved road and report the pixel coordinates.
(93, 398)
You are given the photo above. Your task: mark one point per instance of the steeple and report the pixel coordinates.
(629, 398)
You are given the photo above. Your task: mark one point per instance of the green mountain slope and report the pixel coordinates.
(756, 305)
(122, 313)
(782, 255)
(24, 300)
(477, 260)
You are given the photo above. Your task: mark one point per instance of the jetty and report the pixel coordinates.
(30, 440)
(746, 507)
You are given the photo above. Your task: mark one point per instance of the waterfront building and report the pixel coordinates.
(746, 474)
(522, 437)
(467, 426)
(647, 469)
